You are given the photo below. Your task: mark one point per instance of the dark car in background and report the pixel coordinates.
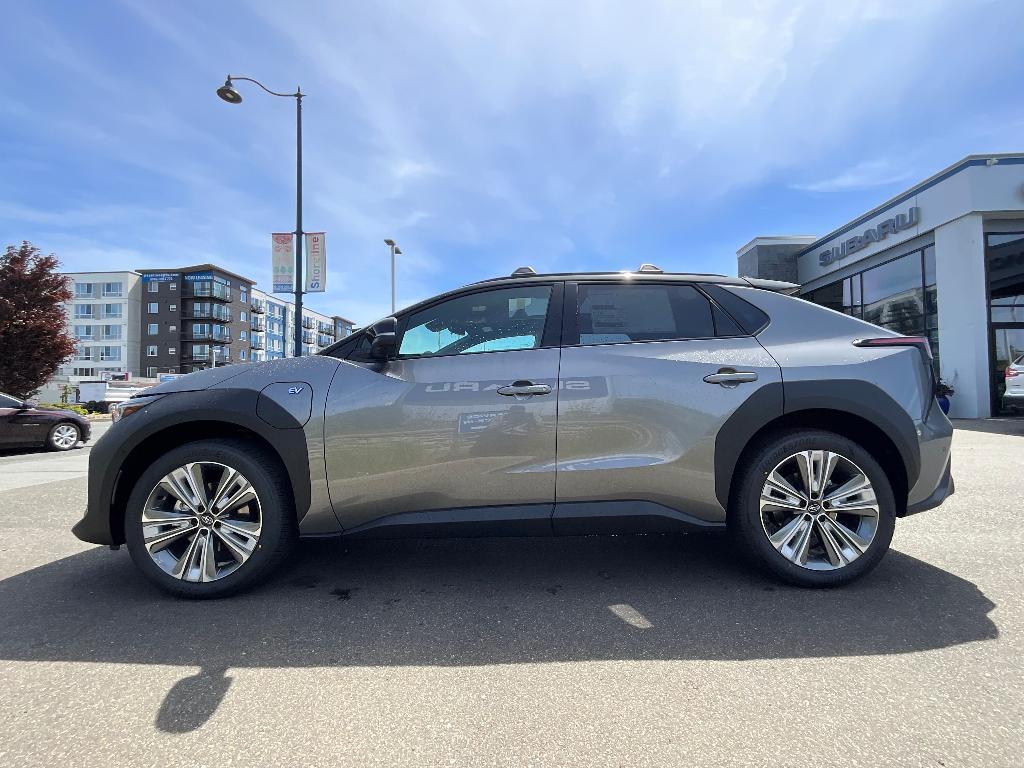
(23, 424)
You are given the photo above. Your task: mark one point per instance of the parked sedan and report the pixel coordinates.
(23, 424)
(542, 405)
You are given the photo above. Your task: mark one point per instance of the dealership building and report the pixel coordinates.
(944, 259)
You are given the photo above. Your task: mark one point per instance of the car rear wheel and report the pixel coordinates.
(210, 518)
(815, 508)
(63, 437)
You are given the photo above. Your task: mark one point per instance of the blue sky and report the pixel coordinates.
(484, 135)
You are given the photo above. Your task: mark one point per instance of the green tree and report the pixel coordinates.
(34, 339)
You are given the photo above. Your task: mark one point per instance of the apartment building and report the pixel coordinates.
(272, 324)
(103, 316)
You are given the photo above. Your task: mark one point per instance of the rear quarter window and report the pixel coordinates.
(615, 313)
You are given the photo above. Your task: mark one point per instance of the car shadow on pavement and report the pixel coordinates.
(477, 601)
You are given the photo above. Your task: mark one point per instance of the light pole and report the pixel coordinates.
(395, 251)
(232, 96)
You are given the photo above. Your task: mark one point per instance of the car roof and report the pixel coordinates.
(647, 272)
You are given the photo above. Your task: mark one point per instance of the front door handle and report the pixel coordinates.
(524, 388)
(729, 377)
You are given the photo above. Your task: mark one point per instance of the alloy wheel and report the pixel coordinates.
(818, 510)
(65, 436)
(202, 522)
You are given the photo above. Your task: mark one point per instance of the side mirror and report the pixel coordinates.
(383, 338)
(27, 404)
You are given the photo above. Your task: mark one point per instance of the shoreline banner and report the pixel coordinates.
(282, 262)
(316, 262)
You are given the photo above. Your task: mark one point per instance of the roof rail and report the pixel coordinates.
(650, 268)
(523, 271)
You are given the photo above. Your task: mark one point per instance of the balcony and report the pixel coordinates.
(201, 310)
(256, 344)
(325, 328)
(308, 322)
(307, 338)
(206, 290)
(257, 324)
(214, 334)
(258, 306)
(324, 340)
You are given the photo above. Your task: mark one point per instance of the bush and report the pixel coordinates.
(69, 407)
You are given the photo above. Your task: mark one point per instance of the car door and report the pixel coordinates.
(650, 372)
(463, 419)
(9, 407)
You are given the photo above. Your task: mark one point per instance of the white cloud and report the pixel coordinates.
(864, 175)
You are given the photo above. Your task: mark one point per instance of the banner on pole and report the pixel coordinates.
(316, 262)
(283, 262)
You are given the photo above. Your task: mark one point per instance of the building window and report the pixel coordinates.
(241, 315)
(112, 332)
(153, 307)
(112, 290)
(84, 291)
(172, 307)
(151, 350)
(172, 350)
(241, 354)
(153, 329)
(243, 295)
(153, 286)
(241, 335)
(172, 328)
(84, 332)
(151, 372)
(84, 371)
(112, 311)
(110, 353)
(174, 286)
(84, 310)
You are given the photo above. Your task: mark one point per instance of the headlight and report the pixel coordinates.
(128, 407)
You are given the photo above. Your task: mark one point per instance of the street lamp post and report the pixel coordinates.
(395, 251)
(232, 96)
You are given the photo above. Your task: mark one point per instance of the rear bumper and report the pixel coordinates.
(945, 489)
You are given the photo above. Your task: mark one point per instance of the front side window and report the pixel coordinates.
(614, 314)
(490, 321)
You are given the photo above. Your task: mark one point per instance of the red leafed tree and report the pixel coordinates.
(34, 339)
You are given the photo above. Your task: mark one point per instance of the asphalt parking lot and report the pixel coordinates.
(581, 651)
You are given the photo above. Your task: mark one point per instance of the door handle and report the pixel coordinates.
(521, 388)
(729, 377)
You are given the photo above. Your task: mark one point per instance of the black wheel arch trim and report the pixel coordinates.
(234, 408)
(775, 401)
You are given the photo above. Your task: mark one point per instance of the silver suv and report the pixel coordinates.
(539, 405)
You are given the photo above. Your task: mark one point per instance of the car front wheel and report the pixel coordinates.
(210, 518)
(815, 508)
(63, 437)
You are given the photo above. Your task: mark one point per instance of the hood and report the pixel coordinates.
(286, 369)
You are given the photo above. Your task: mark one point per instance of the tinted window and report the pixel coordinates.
(490, 321)
(9, 402)
(610, 314)
(750, 318)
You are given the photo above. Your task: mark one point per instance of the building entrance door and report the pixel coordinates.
(1004, 253)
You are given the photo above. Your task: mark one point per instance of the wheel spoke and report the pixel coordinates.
(189, 566)
(208, 559)
(227, 477)
(240, 538)
(177, 486)
(158, 536)
(780, 492)
(242, 494)
(851, 487)
(794, 539)
(846, 537)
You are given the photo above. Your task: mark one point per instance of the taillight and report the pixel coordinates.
(1011, 372)
(921, 342)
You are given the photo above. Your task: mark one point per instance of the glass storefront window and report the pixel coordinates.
(1004, 255)
(894, 295)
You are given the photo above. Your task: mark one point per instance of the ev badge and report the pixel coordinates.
(294, 390)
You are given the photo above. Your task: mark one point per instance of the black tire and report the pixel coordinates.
(750, 535)
(53, 445)
(277, 511)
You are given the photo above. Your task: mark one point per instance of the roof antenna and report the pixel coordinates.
(649, 268)
(524, 271)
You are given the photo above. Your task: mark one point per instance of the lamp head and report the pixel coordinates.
(389, 243)
(228, 93)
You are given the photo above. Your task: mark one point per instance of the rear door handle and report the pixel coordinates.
(524, 388)
(729, 377)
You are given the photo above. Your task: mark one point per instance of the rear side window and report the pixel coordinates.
(751, 319)
(610, 314)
